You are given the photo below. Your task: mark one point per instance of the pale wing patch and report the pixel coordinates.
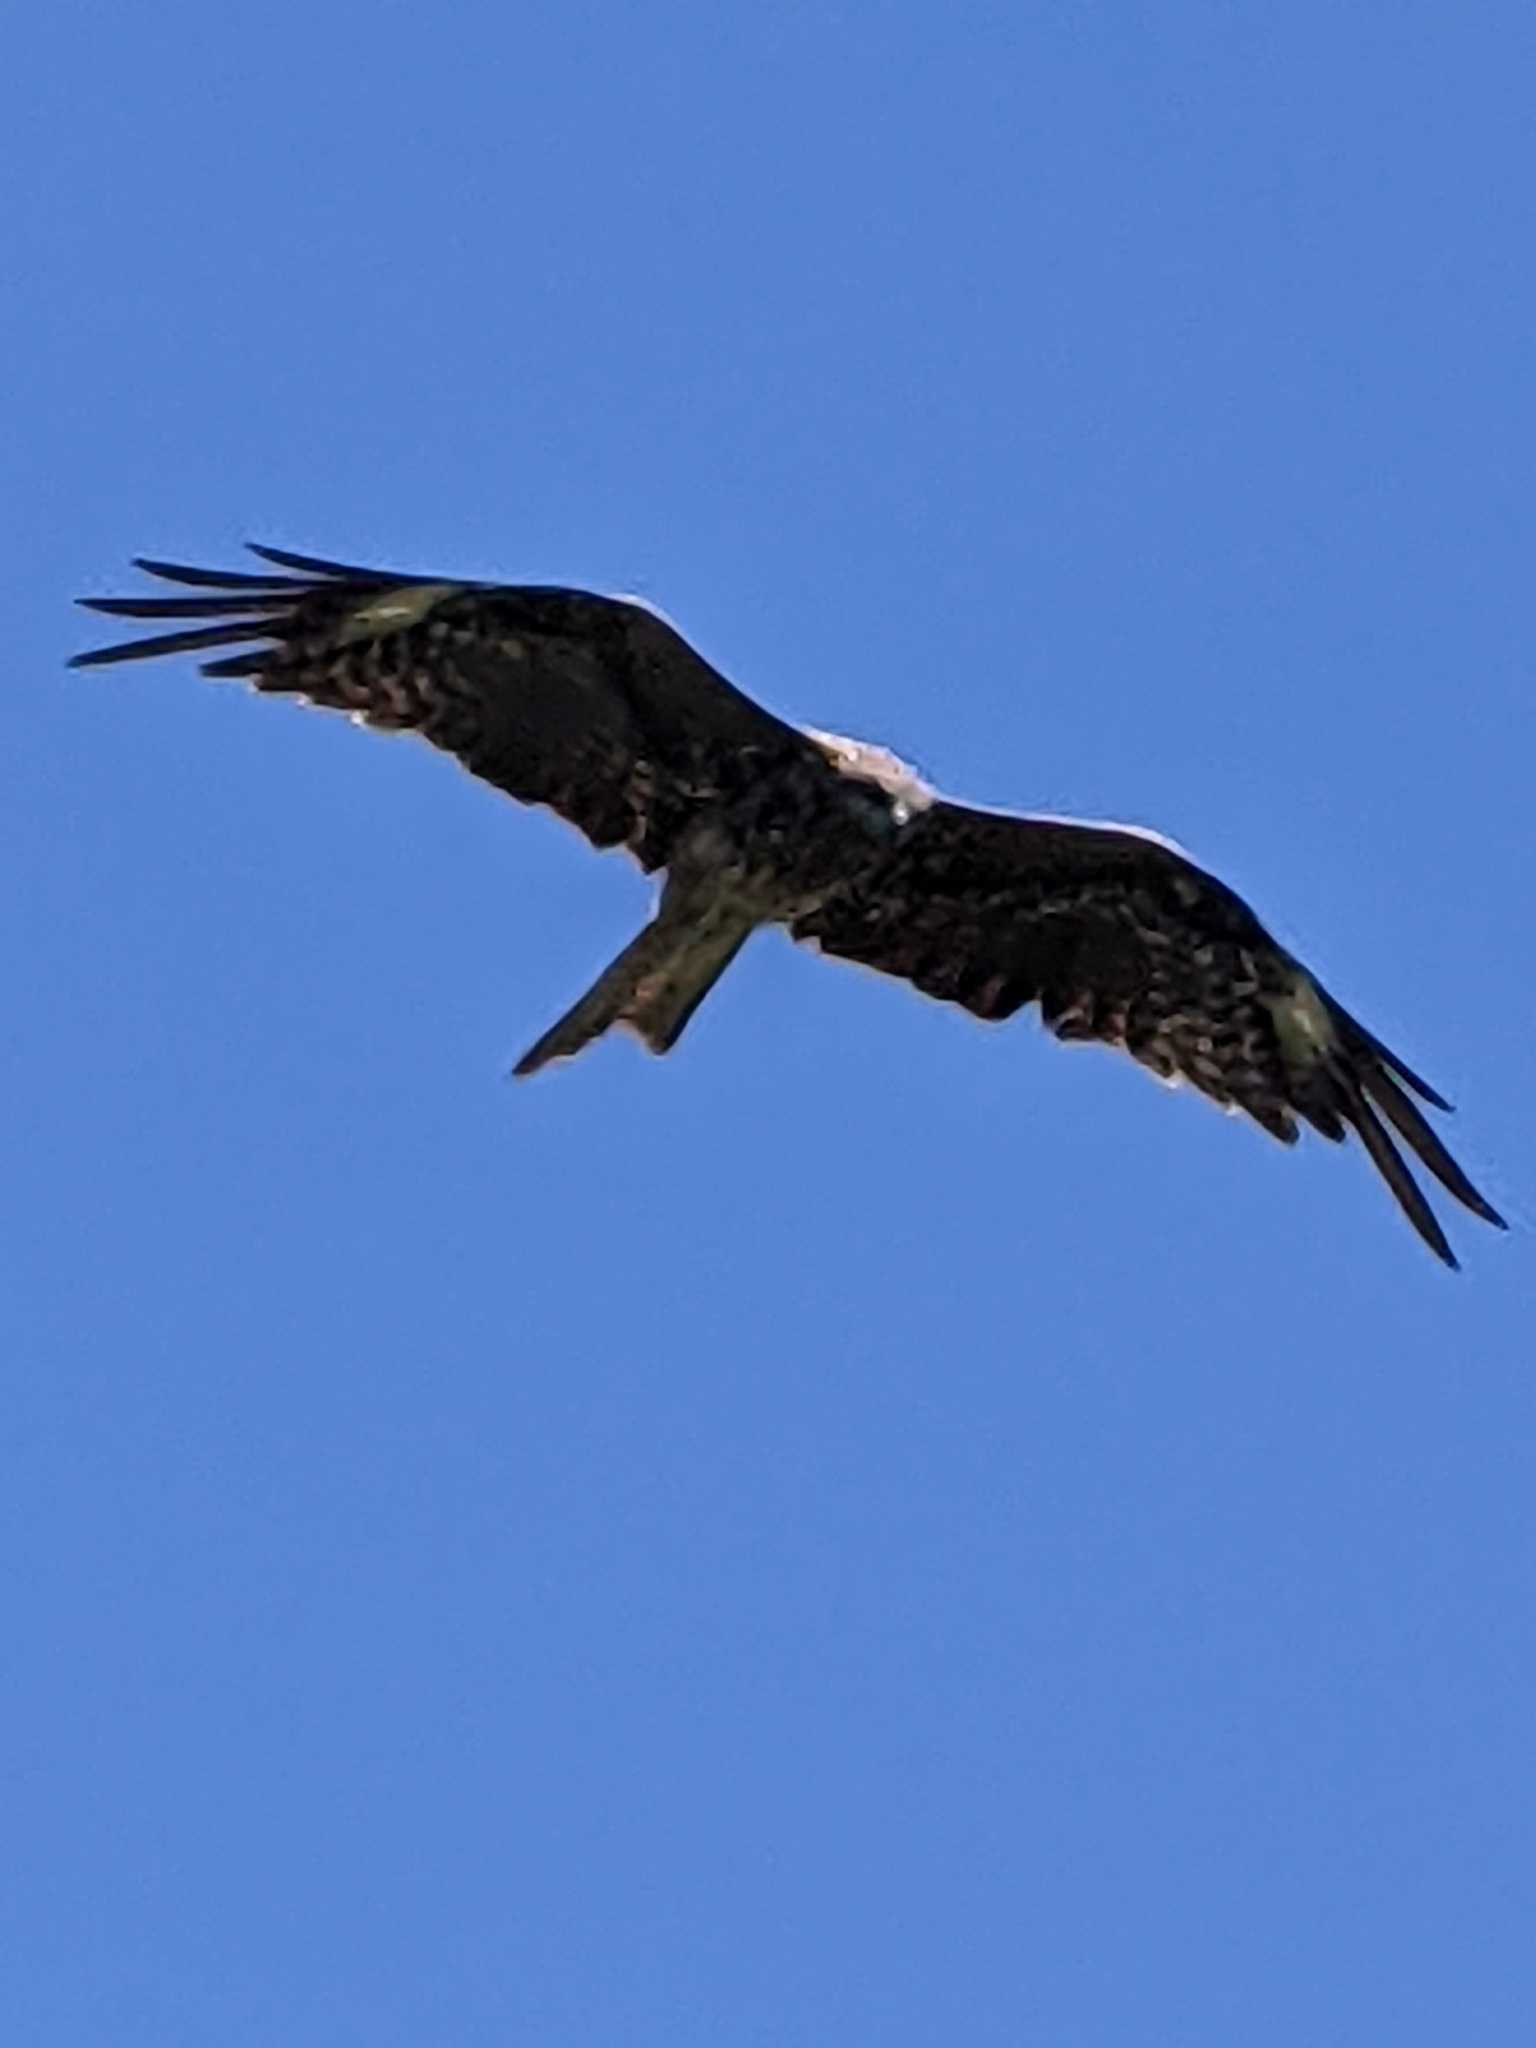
(394, 611)
(864, 762)
(1302, 1023)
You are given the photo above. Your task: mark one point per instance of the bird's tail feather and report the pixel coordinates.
(653, 987)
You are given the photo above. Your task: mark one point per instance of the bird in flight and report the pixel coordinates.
(599, 709)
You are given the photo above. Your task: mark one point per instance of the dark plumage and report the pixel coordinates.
(597, 708)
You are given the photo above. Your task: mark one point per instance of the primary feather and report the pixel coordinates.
(598, 708)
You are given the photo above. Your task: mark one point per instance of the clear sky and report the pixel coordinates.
(873, 1530)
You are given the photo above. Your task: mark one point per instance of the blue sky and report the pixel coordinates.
(871, 1530)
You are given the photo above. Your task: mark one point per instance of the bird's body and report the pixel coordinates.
(599, 709)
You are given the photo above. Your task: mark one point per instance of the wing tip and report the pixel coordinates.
(235, 594)
(317, 566)
(1363, 1088)
(1364, 1076)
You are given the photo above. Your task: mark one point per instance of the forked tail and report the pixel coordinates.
(653, 987)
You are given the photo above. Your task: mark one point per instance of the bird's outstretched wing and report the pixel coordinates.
(591, 705)
(1121, 938)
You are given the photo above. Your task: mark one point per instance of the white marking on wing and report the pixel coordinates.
(1302, 1022)
(865, 762)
